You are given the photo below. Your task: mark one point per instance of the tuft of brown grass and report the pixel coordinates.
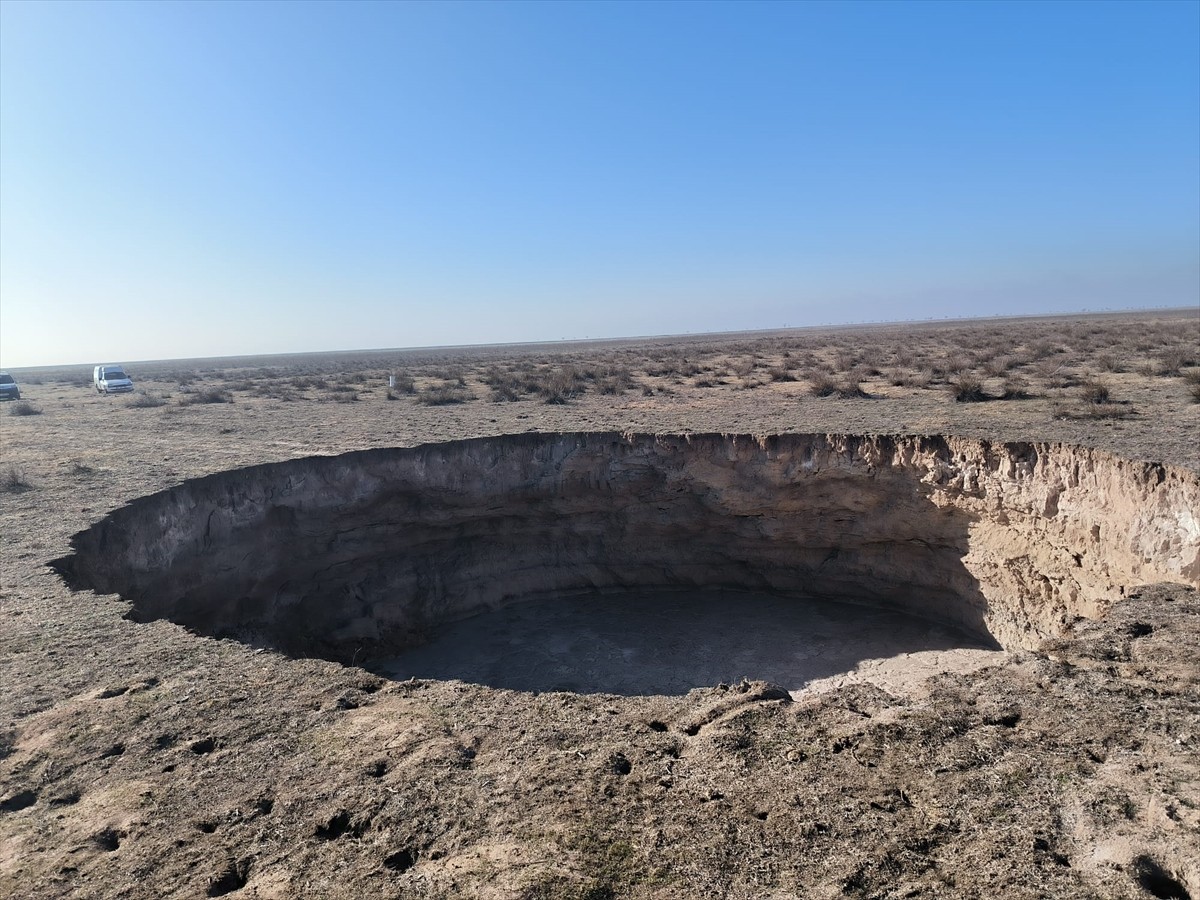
(443, 395)
(145, 401)
(14, 481)
(968, 389)
(504, 393)
(24, 408)
(404, 385)
(208, 395)
(822, 384)
(848, 387)
(1015, 389)
(1170, 361)
(1094, 411)
(1093, 391)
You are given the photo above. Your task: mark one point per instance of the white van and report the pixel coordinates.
(111, 380)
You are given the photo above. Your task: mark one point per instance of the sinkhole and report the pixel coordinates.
(645, 564)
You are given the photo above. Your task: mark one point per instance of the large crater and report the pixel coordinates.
(364, 556)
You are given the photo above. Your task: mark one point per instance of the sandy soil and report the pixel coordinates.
(143, 761)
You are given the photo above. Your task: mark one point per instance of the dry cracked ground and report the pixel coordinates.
(150, 758)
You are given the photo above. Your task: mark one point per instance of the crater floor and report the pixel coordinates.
(660, 642)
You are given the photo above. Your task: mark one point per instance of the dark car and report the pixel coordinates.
(8, 387)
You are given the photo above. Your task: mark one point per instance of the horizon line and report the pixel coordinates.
(633, 339)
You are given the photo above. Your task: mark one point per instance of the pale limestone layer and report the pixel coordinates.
(366, 551)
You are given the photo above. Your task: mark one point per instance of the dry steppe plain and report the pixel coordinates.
(143, 760)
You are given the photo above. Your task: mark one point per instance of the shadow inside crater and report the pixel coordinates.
(669, 642)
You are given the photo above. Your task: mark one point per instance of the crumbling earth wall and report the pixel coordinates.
(364, 552)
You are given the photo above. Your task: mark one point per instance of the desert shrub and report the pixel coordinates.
(953, 365)
(404, 385)
(1054, 374)
(1015, 389)
(1108, 362)
(24, 408)
(1170, 361)
(678, 366)
(145, 401)
(872, 357)
(1042, 349)
(779, 373)
(614, 380)
(851, 389)
(910, 379)
(1195, 391)
(742, 368)
(967, 389)
(614, 385)
(561, 384)
(276, 391)
(505, 392)
(342, 396)
(207, 395)
(997, 366)
(555, 395)
(1094, 391)
(1093, 411)
(844, 360)
(453, 376)
(14, 481)
(443, 394)
(822, 384)
(507, 385)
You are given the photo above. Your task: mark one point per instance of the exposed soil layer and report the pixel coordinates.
(356, 556)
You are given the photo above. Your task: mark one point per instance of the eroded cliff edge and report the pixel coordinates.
(364, 552)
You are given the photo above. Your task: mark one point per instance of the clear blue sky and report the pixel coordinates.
(197, 179)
